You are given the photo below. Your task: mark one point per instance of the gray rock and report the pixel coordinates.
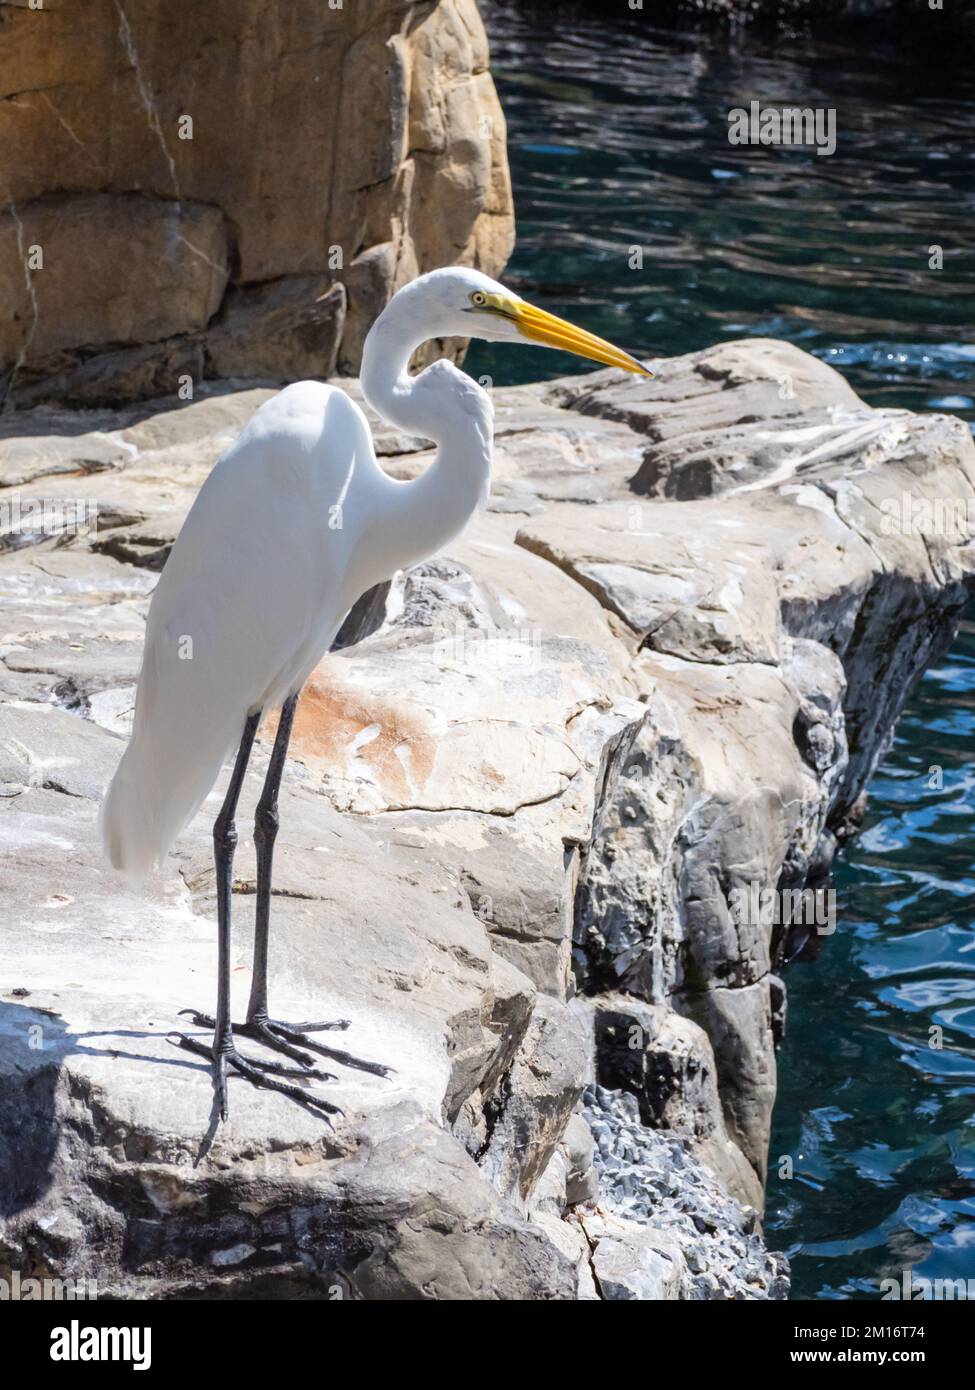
(542, 1088)
(631, 1261)
(725, 417)
(667, 1064)
(27, 458)
(570, 1238)
(675, 1232)
(581, 1184)
(47, 748)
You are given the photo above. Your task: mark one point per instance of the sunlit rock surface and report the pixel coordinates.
(232, 189)
(519, 825)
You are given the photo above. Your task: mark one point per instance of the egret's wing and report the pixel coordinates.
(250, 598)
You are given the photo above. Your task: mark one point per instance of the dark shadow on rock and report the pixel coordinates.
(33, 1045)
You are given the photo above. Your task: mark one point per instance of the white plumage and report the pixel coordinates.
(251, 596)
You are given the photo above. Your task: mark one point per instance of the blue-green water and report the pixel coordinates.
(879, 1124)
(618, 138)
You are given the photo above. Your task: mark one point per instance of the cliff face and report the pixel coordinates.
(232, 189)
(524, 829)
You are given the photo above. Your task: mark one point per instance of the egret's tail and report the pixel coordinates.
(127, 831)
(155, 792)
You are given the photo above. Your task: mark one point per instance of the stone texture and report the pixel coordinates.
(89, 1076)
(570, 1239)
(665, 1227)
(724, 417)
(117, 268)
(581, 1183)
(791, 597)
(350, 146)
(631, 1262)
(550, 767)
(667, 1062)
(543, 1086)
(285, 330)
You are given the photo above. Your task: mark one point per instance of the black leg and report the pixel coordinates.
(224, 844)
(282, 1037)
(265, 833)
(223, 1050)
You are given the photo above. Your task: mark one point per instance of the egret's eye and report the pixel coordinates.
(479, 299)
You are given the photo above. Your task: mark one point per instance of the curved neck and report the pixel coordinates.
(386, 354)
(416, 519)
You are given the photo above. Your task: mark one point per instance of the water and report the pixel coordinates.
(618, 138)
(880, 1125)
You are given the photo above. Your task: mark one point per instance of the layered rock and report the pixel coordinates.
(524, 823)
(234, 189)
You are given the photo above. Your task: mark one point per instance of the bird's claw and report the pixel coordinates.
(291, 1039)
(258, 1072)
(275, 1068)
(283, 1035)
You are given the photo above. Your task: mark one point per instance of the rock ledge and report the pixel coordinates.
(522, 825)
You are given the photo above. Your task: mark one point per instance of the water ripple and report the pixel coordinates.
(863, 1019)
(832, 253)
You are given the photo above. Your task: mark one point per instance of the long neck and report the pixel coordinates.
(416, 519)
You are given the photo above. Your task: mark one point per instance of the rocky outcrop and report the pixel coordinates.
(232, 190)
(539, 829)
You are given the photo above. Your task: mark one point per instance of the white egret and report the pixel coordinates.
(293, 525)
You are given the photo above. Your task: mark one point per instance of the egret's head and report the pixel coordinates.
(467, 304)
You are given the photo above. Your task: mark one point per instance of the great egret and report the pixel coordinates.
(296, 522)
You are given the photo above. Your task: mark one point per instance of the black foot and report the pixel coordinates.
(259, 1073)
(291, 1038)
(273, 1033)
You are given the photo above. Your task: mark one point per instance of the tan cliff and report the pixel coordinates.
(234, 189)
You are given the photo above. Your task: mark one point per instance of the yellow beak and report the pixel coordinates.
(541, 327)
